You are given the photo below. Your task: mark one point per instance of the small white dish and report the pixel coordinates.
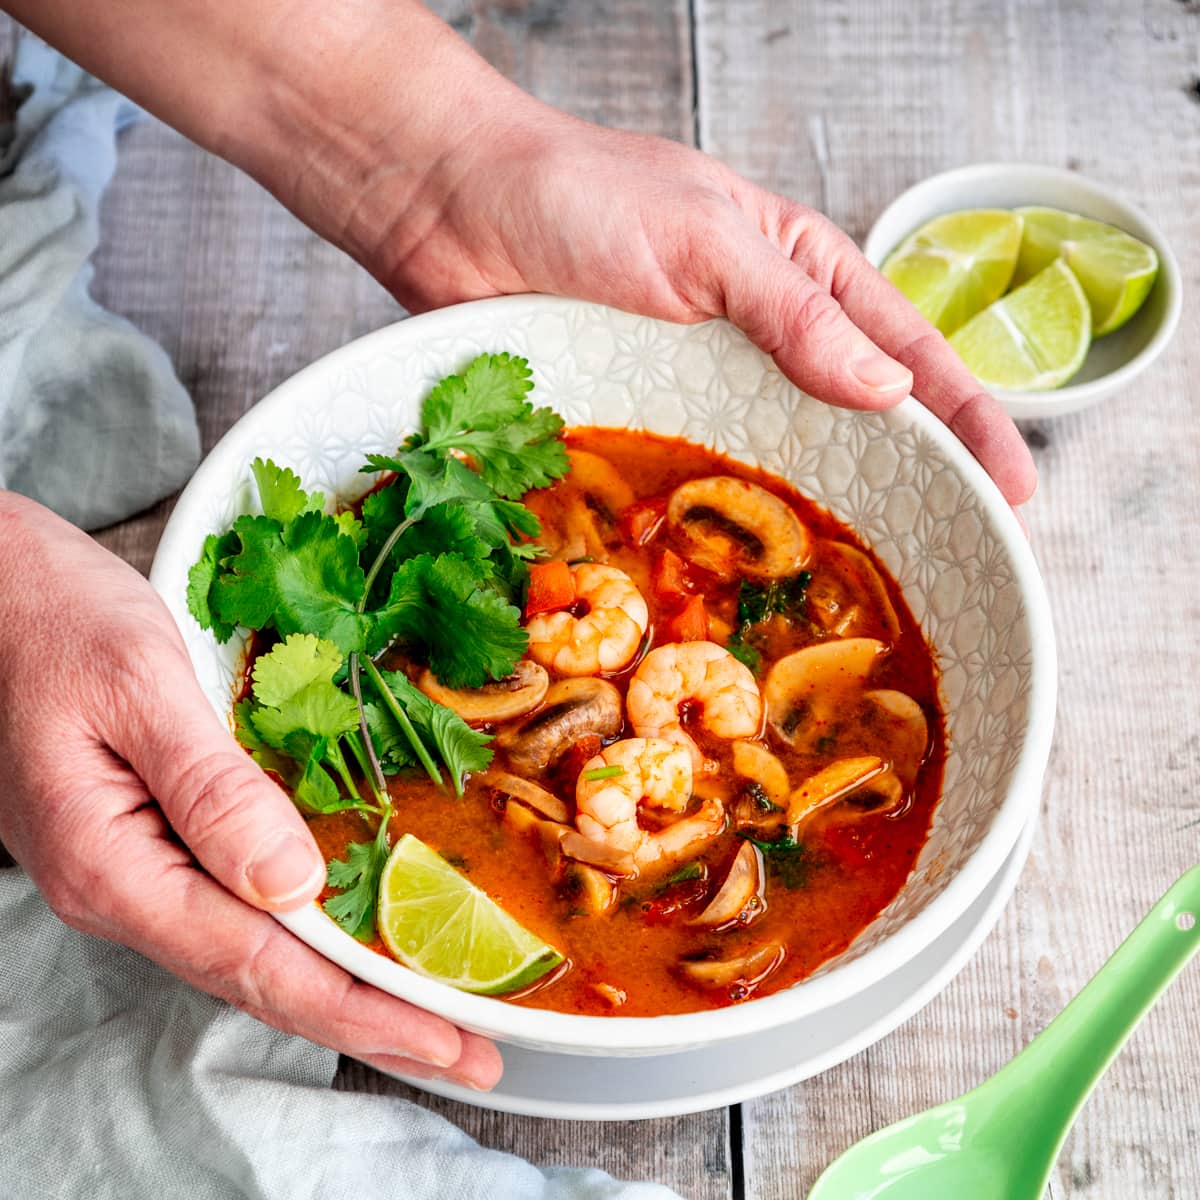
(632, 1089)
(1114, 361)
(899, 478)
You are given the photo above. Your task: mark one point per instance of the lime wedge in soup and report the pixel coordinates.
(439, 923)
(956, 265)
(1035, 338)
(1116, 270)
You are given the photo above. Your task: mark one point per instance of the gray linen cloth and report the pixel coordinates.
(117, 1079)
(93, 422)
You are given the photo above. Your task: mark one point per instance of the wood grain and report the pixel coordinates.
(842, 106)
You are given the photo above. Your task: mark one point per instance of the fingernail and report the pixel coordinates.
(285, 867)
(880, 373)
(441, 1061)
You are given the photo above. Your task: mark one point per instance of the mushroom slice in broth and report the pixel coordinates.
(570, 709)
(847, 596)
(739, 897)
(530, 793)
(831, 784)
(745, 969)
(733, 528)
(805, 689)
(504, 700)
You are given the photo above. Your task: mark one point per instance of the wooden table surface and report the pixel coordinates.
(843, 105)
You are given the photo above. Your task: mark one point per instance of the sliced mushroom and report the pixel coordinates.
(882, 794)
(831, 784)
(504, 700)
(805, 689)
(908, 731)
(537, 797)
(844, 572)
(570, 709)
(740, 895)
(599, 854)
(746, 969)
(598, 479)
(549, 834)
(733, 527)
(752, 760)
(588, 889)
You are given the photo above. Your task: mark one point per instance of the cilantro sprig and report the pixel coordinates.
(436, 561)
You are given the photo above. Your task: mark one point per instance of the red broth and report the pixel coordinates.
(638, 957)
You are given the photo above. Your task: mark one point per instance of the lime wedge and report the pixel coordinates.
(1035, 338)
(957, 264)
(439, 923)
(1116, 270)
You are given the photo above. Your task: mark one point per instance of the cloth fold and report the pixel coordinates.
(94, 422)
(119, 1081)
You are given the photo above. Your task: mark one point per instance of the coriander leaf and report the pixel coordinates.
(746, 654)
(352, 527)
(316, 791)
(489, 392)
(432, 478)
(444, 529)
(382, 511)
(292, 665)
(443, 731)
(201, 578)
(282, 495)
(391, 744)
(319, 709)
(358, 877)
(302, 578)
(526, 453)
(468, 633)
(266, 756)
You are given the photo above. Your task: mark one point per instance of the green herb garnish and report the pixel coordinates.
(787, 859)
(603, 773)
(757, 603)
(437, 562)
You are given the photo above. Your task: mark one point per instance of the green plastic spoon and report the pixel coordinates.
(999, 1141)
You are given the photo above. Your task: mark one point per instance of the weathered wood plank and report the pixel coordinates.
(843, 105)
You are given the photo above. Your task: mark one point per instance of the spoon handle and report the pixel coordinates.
(1062, 1064)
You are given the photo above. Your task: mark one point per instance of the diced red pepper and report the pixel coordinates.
(671, 581)
(641, 521)
(689, 623)
(665, 907)
(551, 587)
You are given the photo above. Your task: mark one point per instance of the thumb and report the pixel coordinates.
(814, 343)
(241, 826)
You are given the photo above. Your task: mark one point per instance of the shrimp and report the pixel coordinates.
(607, 634)
(702, 673)
(649, 773)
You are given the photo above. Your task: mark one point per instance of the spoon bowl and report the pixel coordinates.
(1000, 1140)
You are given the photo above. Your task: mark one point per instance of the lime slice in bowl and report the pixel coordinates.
(437, 922)
(955, 265)
(1115, 269)
(1032, 340)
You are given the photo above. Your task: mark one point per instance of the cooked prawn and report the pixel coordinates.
(704, 674)
(603, 638)
(648, 773)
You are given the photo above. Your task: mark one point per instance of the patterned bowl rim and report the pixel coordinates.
(613, 1035)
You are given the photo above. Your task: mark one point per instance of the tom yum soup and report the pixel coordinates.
(600, 721)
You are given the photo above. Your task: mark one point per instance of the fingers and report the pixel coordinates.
(940, 380)
(195, 929)
(783, 311)
(239, 825)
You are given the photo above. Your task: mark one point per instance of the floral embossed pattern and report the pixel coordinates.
(897, 478)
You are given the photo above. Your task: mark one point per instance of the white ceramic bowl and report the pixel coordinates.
(898, 478)
(1114, 361)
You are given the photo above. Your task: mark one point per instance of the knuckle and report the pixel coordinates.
(219, 790)
(813, 316)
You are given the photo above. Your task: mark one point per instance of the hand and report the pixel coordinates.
(557, 205)
(142, 821)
